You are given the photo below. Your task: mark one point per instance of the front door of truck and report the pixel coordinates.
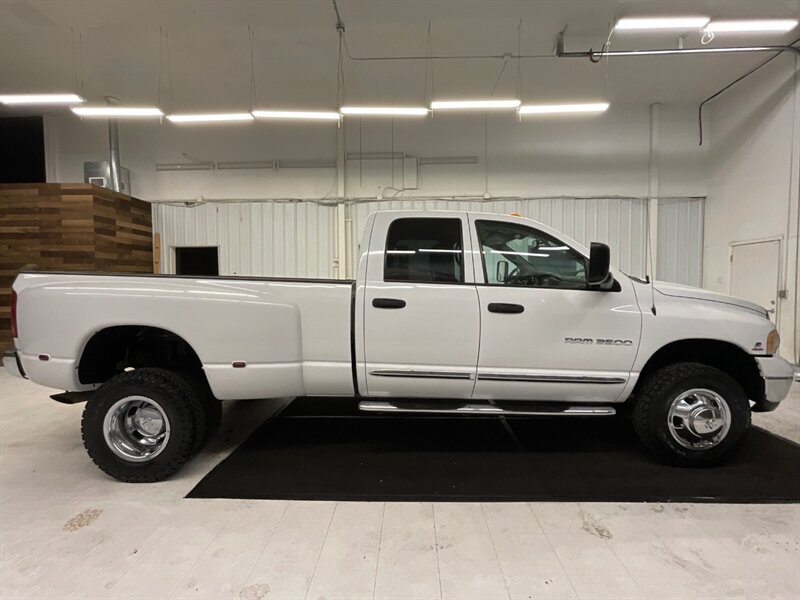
(420, 303)
(545, 334)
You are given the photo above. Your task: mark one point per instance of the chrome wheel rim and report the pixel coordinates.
(136, 428)
(699, 419)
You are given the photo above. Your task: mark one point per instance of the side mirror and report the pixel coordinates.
(502, 271)
(599, 262)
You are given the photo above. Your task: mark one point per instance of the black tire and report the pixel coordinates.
(209, 406)
(180, 406)
(652, 405)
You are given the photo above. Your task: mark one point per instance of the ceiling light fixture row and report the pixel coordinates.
(705, 24)
(39, 99)
(480, 105)
(490, 104)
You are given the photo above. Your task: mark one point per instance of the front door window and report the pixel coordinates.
(517, 255)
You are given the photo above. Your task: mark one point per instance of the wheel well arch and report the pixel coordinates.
(113, 349)
(725, 356)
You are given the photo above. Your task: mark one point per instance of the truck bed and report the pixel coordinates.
(288, 337)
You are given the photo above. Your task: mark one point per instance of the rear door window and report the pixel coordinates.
(424, 250)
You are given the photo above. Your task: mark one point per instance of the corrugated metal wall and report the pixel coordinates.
(298, 239)
(618, 222)
(290, 239)
(679, 255)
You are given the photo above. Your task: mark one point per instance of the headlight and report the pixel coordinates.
(773, 342)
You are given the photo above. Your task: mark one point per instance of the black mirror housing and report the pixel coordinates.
(599, 264)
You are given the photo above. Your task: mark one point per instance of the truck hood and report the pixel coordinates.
(685, 291)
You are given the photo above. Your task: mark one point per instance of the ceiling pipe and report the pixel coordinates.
(505, 56)
(596, 56)
(593, 55)
(792, 46)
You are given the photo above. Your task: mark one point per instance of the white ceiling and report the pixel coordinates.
(296, 50)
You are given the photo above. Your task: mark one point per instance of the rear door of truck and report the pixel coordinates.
(420, 306)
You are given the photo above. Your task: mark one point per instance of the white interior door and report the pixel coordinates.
(754, 273)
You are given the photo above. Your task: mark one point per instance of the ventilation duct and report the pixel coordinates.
(113, 150)
(110, 173)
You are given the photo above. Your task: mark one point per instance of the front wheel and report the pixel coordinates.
(139, 426)
(691, 414)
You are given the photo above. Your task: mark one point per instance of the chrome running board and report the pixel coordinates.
(508, 409)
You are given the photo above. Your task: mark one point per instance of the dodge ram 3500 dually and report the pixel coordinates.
(451, 312)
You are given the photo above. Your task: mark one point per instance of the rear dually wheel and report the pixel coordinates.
(141, 426)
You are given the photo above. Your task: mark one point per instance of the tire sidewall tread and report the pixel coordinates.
(178, 401)
(652, 404)
(208, 410)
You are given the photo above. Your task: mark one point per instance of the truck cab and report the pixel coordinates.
(460, 305)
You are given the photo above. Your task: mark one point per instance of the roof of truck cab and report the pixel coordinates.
(458, 213)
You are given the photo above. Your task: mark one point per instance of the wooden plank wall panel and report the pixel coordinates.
(123, 235)
(69, 227)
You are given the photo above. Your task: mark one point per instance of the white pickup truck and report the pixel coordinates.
(451, 312)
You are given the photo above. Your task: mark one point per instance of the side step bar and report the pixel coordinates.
(450, 408)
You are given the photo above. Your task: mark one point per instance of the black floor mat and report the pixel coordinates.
(324, 449)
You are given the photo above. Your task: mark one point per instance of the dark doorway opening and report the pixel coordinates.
(202, 260)
(22, 150)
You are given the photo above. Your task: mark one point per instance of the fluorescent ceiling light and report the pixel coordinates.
(296, 114)
(210, 118)
(556, 109)
(473, 104)
(387, 111)
(40, 99)
(684, 51)
(116, 111)
(662, 23)
(781, 25)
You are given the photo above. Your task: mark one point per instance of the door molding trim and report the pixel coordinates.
(421, 374)
(516, 377)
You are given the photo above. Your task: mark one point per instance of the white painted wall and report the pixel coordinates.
(754, 134)
(279, 239)
(537, 167)
(143, 144)
(679, 256)
(597, 156)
